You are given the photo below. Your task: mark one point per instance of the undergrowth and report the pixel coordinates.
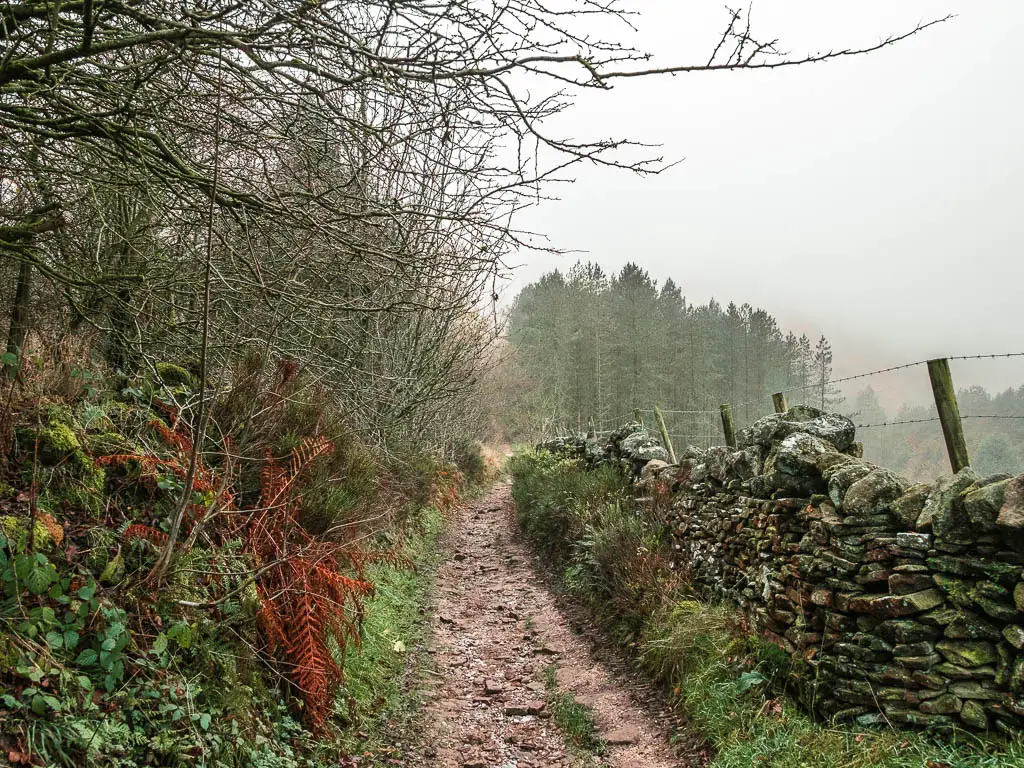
(731, 685)
(273, 638)
(380, 696)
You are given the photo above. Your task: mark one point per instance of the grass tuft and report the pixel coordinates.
(381, 697)
(574, 720)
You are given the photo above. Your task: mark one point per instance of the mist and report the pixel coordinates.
(872, 199)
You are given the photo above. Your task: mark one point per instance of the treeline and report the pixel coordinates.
(587, 345)
(995, 443)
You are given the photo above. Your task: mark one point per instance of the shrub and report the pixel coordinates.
(555, 498)
(622, 569)
(468, 456)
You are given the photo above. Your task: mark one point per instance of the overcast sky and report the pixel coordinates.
(877, 200)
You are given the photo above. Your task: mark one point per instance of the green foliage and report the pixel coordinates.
(97, 668)
(379, 695)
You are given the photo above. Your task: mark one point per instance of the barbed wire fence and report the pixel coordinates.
(704, 428)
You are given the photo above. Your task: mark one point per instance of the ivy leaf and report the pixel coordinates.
(55, 640)
(86, 592)
(85, 682)
(159, 645)
(39, 704)
(38, 578)
(70, 639)
(9, 359)
(181, 633)
(86, 657)
(749, 680)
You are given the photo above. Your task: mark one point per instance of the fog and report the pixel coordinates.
(875, 199)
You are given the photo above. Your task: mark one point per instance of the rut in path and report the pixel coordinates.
(497, 630)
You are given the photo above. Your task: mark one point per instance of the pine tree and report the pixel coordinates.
(827, 393)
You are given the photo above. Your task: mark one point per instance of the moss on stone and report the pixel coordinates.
(91, 476)
(174, 375)
(968, 653)
(958, 591)
(12, 527)
(57, 413)
(55, 441)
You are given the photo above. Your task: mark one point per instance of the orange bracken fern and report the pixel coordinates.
(305, 598)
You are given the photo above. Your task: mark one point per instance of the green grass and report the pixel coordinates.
(730, 685)
(380, 697)
(574, 720)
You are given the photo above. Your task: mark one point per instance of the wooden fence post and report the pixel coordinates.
(949, 413)
(637, 417)
(664, 434)
(779, 401)
(727, 426)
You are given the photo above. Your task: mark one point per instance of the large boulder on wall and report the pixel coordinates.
(794, 464)
(943, 512)
(1011, 514)
(874, 492)
(836, 430)
(641, 447)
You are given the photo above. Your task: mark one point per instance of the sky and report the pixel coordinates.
(874, 199)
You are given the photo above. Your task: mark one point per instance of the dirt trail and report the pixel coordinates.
(497, 630)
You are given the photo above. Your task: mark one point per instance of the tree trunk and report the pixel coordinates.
(18, 330)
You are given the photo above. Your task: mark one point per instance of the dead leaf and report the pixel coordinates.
(52, 527)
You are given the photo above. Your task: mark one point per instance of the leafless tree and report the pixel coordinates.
(332, 181)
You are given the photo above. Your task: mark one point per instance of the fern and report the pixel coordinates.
(305, 599)
(148, 533)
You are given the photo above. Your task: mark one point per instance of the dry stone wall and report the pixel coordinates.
(899, 603)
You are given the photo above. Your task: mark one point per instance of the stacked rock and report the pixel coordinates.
(899, 603)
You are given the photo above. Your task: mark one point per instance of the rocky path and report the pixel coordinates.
(498, 629)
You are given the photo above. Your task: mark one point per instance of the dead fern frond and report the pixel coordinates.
(306, 600)
(154, 536)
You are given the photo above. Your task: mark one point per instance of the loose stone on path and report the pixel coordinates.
(498, 629)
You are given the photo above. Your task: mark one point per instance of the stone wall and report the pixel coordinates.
(900, 603)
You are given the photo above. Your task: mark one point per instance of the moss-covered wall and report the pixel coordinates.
(898, 603)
